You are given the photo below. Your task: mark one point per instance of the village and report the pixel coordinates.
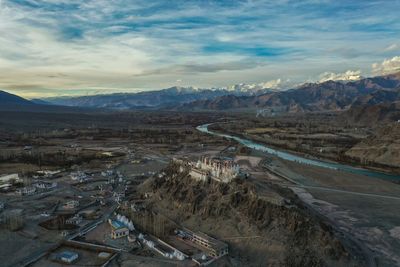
(90, 216)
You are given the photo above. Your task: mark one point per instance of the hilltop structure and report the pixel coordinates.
(219, 169)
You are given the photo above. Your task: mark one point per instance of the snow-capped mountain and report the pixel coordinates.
(259, 88)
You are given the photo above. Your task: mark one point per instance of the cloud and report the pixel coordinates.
(277, 84)
(392, 47)
(150, 44)
(387, 66)
(348, 53)
(196, 68)
(273, 84)
(350, 75)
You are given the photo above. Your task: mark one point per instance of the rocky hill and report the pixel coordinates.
(288, 236)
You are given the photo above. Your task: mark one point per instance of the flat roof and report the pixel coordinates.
(117, 225)
(215, 243)
(68, 254)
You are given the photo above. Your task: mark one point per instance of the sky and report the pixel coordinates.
(74, 47)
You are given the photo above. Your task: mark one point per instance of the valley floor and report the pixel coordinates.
(284, 214)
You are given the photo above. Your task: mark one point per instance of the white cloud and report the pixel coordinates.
(73, 44)
(273, 84)
(350, 75)
(277, 84)
(392, 47)
(387, 66)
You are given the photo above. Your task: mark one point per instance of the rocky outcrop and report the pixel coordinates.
(307, 240)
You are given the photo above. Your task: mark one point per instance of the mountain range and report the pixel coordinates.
(372, 114)
(11, 102)
(377, 92)
(166, 98)
(309, 97)
(7, 99)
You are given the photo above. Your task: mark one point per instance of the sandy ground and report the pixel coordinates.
(374, 221)
(15, 246)
(250, 160)
(395, 232)
(86, 258)
(365, 207)
(128, 260)
(8, 168)
(316, 176)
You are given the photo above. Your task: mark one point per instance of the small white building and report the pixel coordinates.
(79, 176)
(107, 173)
(68, 256)
(26, 191)
(46, 186)
(72, 204)
(119, 196)
(118, 229)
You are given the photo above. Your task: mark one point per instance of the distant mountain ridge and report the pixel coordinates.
(372, 114)
(10, 99)
(14, 103)
(166, 98)
(150, 99)
(311, 97)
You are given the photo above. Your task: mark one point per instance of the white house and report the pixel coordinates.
(72, 204)
(118, 229)
(68, 256)
(26, 191)
(44, 185)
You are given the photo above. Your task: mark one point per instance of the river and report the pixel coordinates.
(291, 157)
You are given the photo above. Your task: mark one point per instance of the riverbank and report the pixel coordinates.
(324, 139)
(298, 158)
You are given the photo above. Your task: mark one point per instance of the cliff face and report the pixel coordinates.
(288, 236)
